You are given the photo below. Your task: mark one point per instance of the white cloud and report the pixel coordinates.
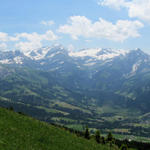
(3, 37)
(48, 23)
(78, 27)
(3, 46)
(25, 46)
(26, 41)
(139, 9)
(88, 41)
(34, 40)
(136, 8)
(49, 36)
(112, 3)
(70, 47)
(82, 26)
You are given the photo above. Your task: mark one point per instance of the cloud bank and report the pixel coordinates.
(48, 23)
(27, 41)
(136, 8)
(80, 26)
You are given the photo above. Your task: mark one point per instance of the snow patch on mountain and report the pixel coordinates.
(85, 53)
(18, 60)
(98, 54)
(89, 64)
(38, 53)
(136, 66)
(54, 54)
(5, 61)
(43, 53)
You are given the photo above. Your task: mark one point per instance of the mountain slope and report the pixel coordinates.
(98, 87)
(22, 132)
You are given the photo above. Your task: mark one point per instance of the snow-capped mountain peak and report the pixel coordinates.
(44, 52)
(57, 56)
(38, 53)
(98, 54)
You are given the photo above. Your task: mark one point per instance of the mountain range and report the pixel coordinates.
(99, 87)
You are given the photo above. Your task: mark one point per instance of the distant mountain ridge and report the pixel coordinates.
(91, 61)
(102, 67)
(84, 57)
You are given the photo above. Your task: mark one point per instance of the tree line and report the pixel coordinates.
(109, 139)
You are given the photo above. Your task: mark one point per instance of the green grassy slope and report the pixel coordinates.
(18, 132)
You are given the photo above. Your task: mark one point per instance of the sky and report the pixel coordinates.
(75, 24)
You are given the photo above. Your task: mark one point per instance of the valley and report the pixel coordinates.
(105, 89)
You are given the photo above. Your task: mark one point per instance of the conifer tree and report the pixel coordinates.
(11, 108)
(109, 137)
(97, 136)
(87, 134)
(103, 140)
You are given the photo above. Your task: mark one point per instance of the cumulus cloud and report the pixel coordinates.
(47, 23)
(140, 9)
(80, 26)
(27, 41)
(70, 47)
(3, 37)
(34, 40)
(136, 8)
(49, 36)
(25, 46)
(3, 46)
(112, 3)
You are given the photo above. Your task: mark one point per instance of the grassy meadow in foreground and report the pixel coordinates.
(19, 132)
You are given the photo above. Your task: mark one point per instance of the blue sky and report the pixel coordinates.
(76, 24)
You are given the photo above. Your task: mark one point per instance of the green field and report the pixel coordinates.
(19, 132)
